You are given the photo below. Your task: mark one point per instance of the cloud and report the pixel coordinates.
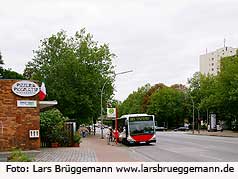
(159, 40)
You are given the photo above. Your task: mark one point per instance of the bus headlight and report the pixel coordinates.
(154, 137)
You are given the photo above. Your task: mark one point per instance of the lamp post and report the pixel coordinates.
(193, 110)
(198, 120)
(101, 98)
(193, 113)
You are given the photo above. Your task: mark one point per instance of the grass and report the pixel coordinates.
(18, 156)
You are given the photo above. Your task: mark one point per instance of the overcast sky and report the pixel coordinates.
(160, 40)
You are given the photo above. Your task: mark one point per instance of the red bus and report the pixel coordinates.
(136, 129)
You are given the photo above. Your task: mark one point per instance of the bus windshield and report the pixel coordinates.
(140, 126)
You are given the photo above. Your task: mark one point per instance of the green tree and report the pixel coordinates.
(74, 70)
(195, 88)
(219, 93)
(228, 87)
(52, 127)
(210, 94)
(133, 103)
(9, 74)
(149, 93)
(167, 105)
(194, 95)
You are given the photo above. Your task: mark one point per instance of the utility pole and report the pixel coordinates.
(193, 114)
(193, 111)
(198, 121)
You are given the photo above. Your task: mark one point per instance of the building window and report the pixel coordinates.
(212, 64)
(212, 69)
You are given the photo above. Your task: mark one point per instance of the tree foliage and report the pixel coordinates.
(74, 70)
(166, 105)
(228, 85)
(52, 125)
(8, 73)
(149, 93)
(218, 94)
(134, 102)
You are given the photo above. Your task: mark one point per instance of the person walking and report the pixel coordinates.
(109, 135)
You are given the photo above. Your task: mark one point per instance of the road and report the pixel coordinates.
(184, 147)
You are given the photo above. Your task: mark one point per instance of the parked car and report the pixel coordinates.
(181, 129)
(157, 128)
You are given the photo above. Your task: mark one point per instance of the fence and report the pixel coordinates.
(67, 139)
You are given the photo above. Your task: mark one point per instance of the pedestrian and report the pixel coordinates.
(109, 135)
(83, 130)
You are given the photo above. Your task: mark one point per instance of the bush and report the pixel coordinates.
(204, 126)
(77, 137)
(17, 156)
(64, 139)
(52, 125)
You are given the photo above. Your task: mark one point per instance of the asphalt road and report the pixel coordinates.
(184, 147)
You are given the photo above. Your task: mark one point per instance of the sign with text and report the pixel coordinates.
(26, 103)
(25, 88)
(111, 112)
(141, 118)
(34, 133)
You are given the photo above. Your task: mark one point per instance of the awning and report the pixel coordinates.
(46, 104)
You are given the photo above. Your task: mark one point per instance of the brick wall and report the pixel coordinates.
(15, 122)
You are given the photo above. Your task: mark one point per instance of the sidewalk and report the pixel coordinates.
(225, 133)
(92, 149)
(108, 153)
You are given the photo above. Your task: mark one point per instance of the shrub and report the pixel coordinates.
(52, 125)
(18, 156)
(77, 137)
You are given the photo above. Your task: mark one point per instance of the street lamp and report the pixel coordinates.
(193, 115)
(101, 98)
(198, 120)
(193, 109)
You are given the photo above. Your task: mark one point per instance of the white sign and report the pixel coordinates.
(111, 112)
(26, 103)
(25, 88)
(34, 133)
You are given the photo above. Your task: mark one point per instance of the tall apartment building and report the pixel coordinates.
(210, 62)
